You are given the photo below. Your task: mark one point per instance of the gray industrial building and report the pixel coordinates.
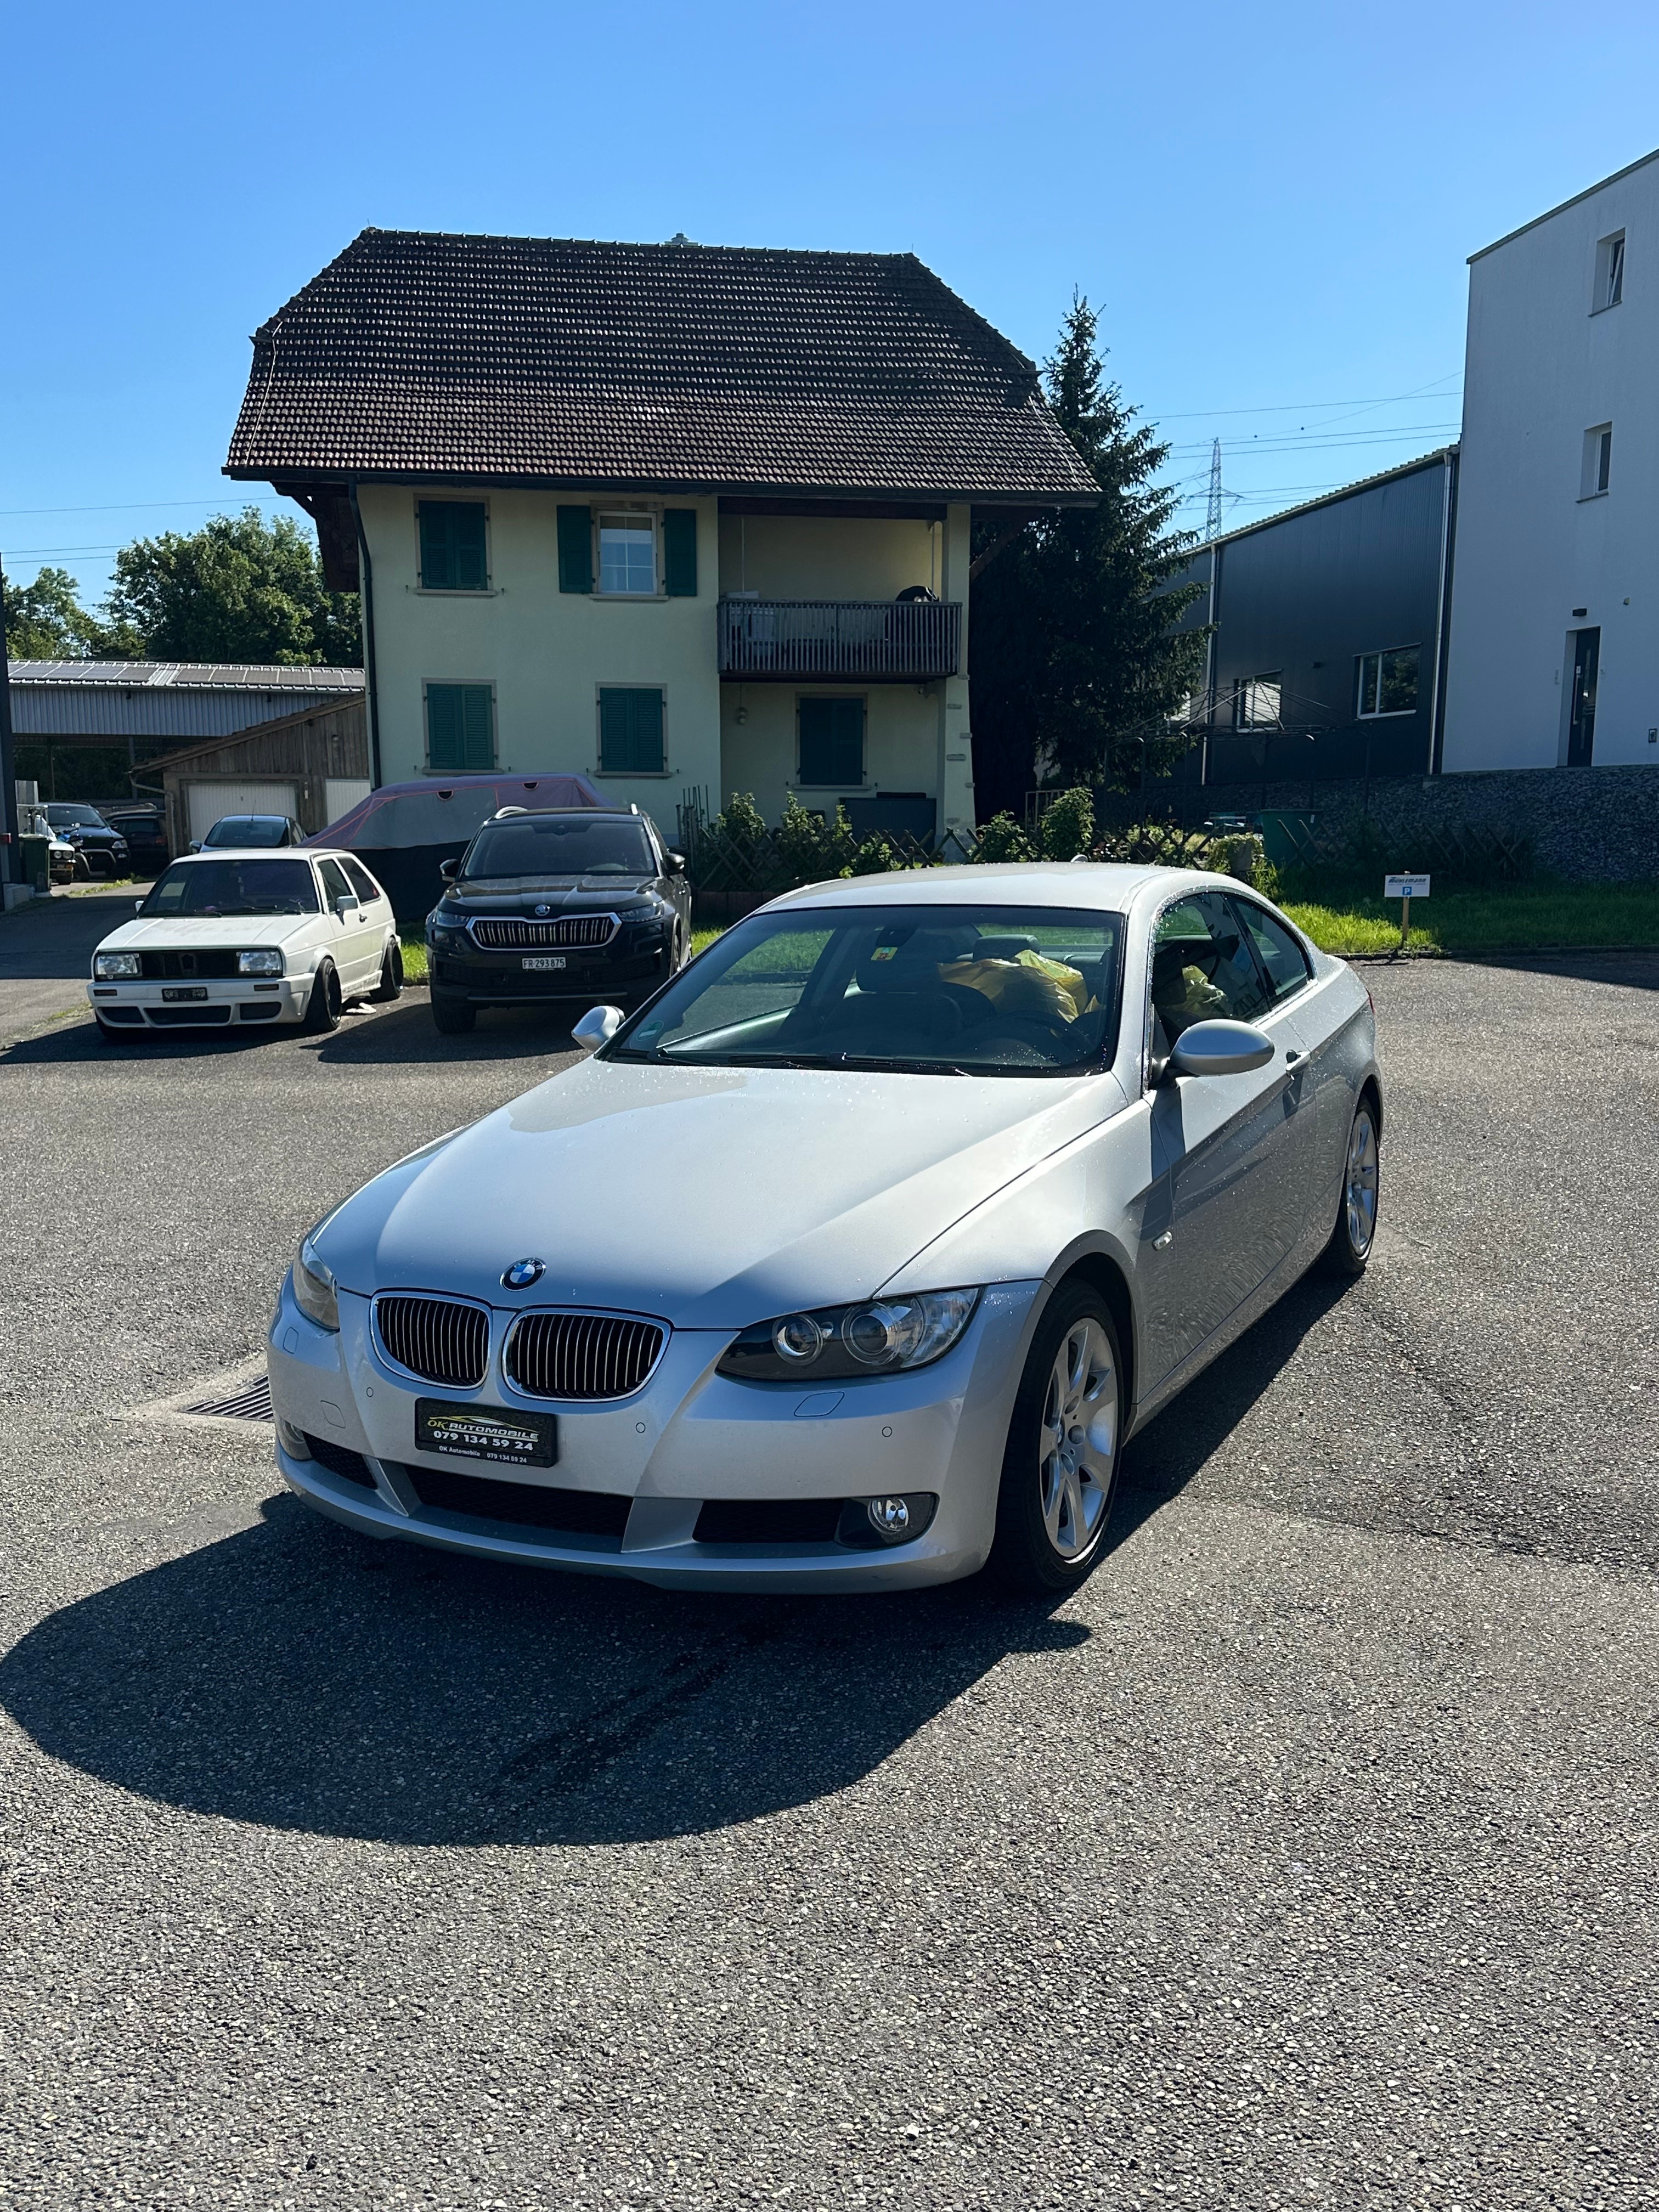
(1328, 635)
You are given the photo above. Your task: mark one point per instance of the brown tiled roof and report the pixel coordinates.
(673, 368)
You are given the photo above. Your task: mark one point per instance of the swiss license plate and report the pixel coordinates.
(480, 1432)
(184, 990)
(543, 960)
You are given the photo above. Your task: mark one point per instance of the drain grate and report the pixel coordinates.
(252, 1404)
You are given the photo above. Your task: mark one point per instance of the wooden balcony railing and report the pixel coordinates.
(839, 641)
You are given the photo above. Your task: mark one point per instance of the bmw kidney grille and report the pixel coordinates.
(571, 1355)
(436, 1338)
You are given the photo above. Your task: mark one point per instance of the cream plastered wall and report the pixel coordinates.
(914, 740)
(546, 652)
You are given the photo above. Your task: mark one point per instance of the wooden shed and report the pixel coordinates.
(312, 765)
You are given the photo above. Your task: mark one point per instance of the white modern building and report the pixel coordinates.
(1554, 634)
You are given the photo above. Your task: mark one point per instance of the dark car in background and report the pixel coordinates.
(578, 903)
(251, 833)
(146, 836)
(102, 848)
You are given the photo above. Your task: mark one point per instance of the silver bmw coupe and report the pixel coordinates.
(851, 1259)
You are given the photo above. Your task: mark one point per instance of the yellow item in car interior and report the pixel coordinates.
(1028, 985)
(1201, 1000)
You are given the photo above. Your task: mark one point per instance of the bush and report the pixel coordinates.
(1002, 839)
(741, 821)
(874, 857)
(1068, 827)
(808, 847)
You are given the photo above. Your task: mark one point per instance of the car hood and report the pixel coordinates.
(711, 1197)
(519, 895)
(185, 932)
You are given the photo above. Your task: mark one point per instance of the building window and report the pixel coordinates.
(1256, 700)
(1609, 271)
(1598, 462)
(460, 727)
(453, 554)
(1387, 682)
(630, 730)
(831, 742)
(628, 555)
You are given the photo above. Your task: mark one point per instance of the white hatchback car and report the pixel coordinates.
(852, 1259)
(231, 939)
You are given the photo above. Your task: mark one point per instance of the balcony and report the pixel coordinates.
(839, 641)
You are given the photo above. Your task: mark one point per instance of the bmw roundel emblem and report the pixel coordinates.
(542, 912)
(523, 1272)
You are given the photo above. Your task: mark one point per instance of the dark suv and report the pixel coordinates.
(103, 849)
(575, 903)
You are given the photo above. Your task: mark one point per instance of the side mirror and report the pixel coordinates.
(138, 906)
(345, 904)
(195, 844)
(597, 1027)
(676, 863)
(449, 870)
(1221, 1049)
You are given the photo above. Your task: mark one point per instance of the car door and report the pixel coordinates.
(377, 907)
(1325, 1099)
(1223, 1146)
(355, 946)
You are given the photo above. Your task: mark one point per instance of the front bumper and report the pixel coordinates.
(689, 1437)
(602, 975)
(252, 1001)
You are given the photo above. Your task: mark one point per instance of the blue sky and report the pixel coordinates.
(1270, 206)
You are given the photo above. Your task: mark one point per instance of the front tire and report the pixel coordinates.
(1355, 1233)
(326, 1004)
(452, 1017)
(1065, 1439)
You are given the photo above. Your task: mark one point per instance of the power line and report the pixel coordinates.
(1310, 406)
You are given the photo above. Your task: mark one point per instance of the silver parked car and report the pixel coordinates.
(851, 1259)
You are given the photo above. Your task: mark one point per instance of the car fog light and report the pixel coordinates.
(292, 1442)
(873, 1523)
(797, 1338)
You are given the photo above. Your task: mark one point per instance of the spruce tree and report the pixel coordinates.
(1076, 664)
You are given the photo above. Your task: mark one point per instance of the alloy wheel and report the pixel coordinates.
(1076, 1453)
(1359, 1188)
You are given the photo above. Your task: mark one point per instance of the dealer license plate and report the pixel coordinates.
(479, 1432)
(184, 990)
(543, 960)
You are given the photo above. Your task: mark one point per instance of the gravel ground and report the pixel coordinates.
(1306, 1856)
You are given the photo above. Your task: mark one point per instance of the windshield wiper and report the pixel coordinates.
(833, 1062)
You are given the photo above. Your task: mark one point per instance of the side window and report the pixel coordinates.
(335, 885)
(362, 882)
(1203, 971)
(1277, 950)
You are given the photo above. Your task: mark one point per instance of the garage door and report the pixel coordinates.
(208, 801)
(341, 793)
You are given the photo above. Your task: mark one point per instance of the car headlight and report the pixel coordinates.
(117, 967)
(314, 1286)
(263, 960)
(880, 1337)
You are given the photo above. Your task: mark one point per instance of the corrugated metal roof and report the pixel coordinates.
(179, 700)
(164, 675)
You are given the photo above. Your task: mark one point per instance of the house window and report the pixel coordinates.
(1255, 701)
(1609, 271)
(453, 554)
(1597, 471)
(628, 555)
(1387, 682)
(832, 741)
(460, 727)
(630, 730)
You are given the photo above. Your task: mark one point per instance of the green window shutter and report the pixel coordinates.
(679, 548)
(832, 741)
(453, 551)
(631, 733)
(460, 727)
(575, 548)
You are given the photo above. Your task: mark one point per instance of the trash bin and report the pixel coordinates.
(35, 868)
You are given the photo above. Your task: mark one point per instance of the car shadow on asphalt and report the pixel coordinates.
(77, 1038)
(300, 1676)
(406, 1034)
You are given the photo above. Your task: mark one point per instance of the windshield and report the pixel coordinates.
(63, 817)
(967, 990)
(233, 887)
(248, 830)
(561, 845)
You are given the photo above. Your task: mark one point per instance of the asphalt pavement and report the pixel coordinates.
(1305, 1857)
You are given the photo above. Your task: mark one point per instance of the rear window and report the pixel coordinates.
(248, 830)
(561, 845)
(211, 887)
